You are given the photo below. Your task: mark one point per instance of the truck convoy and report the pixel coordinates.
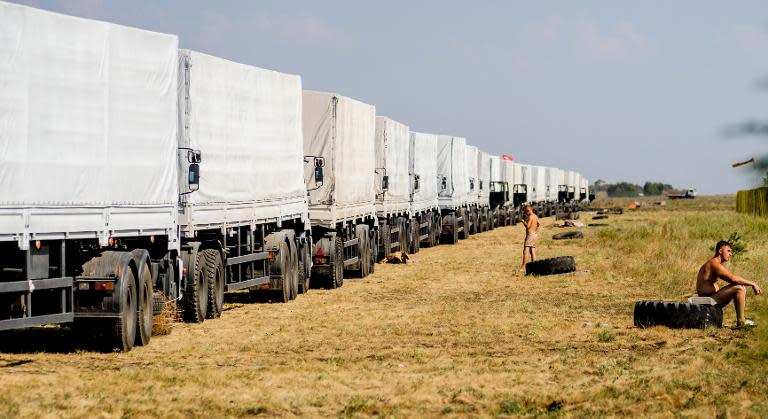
(134, 175)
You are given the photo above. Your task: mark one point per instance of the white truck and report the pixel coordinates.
(425, 208)
(485, 214)
(393, 187)
(246, 225)
(499, 198)
(340, 138)
(453, 188)
(472, 181)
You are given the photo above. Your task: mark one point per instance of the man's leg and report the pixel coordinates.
(525, 259)
(533, 253)
(737, 293)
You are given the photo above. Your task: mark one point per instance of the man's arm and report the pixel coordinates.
(726, 276)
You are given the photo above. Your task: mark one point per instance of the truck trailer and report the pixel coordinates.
(393, 187)
(425, 208)
(340, 138)
(453, 188)
(485, 215)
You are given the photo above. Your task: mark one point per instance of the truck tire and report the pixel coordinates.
(386, 241)
(195, 300)
(464, 233)
(374, 243)
(568, 235)
(361, 232)
(551, 266)
(304, 263)
(402, 236)
(145, 306)
(293, 271)
(123, 329)
(452, 237)
(676, 315)
(415, 235)
(214, 274)
(336, 279)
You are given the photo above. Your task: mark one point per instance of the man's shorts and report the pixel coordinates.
(531, 239)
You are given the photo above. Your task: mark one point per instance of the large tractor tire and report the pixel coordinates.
(567, 235)
(551, 266)
(677, 315)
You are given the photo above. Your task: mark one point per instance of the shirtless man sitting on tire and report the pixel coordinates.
(712, 270)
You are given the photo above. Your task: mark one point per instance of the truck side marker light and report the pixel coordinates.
(320, 252)
(111, 242)
(264, 286)
(152, 239)
(37, 244)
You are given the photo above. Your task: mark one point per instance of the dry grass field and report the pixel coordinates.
(457, 332)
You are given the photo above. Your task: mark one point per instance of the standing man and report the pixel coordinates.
(712, 270)
(531, 224)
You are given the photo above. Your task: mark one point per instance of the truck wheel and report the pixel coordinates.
(195, 299)
(374, 243)
(386, 240)
(337, 264)
(551, 266)
(123, 330)
(677, 315)
(282, 260)
(437, 222)
(464, 225)
(452, 236)
(293, 271)
(214, 274)
(402, 235)
(303, 263)
(363, 247)
(145, 307)
(415, 234)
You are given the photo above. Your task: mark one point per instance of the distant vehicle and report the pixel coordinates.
(689, 194)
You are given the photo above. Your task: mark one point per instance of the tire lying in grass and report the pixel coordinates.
(551, 266)
(568, 235)
(600, 217)
(597, 225)
(567, 215)
(677, 315)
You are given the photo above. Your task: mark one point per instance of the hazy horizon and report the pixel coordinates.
(619, 91)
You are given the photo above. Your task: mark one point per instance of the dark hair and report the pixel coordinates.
(720, 245)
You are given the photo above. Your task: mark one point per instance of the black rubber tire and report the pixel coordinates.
(158, 303)
(437, 222)
(415, 235)
(568, 235)
(465, 225)
(282, 262)
(336, 279)
(363, 249)
(402, 235)
(677, 315)
(551, 266)
(374, 243)
(452, 237)
(303, 263)
(144, 307)
(600, 217)
(293, 271)
(386, 241)
(597, 225)
(195, 299)
(123, 329)
(214, 273)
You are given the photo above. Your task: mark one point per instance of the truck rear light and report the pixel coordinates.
(320, 260)
(320, 251)
(103, 286)
(83, 286)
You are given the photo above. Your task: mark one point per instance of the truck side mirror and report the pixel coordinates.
(444, 183)
(193, 179)
(385, 182)
(319, 175)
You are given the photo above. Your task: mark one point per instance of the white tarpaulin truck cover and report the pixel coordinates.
(484, 173)
(87, 128)
(539, 183)
(451, 171)
(246, 122)
(508, 174)
(341, 130)
(392, 145)
(497, 169)
(472, 179)
(423, 158)
(552, 183)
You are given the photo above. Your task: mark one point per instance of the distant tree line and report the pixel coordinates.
(627, 189)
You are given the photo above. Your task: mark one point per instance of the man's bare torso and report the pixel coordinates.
(532, 225)
(706, 280)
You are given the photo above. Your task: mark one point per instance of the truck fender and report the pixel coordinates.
(110, 264)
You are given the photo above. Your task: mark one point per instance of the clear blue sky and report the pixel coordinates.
(618, 90)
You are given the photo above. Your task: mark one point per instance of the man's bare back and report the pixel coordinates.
(713, 270)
